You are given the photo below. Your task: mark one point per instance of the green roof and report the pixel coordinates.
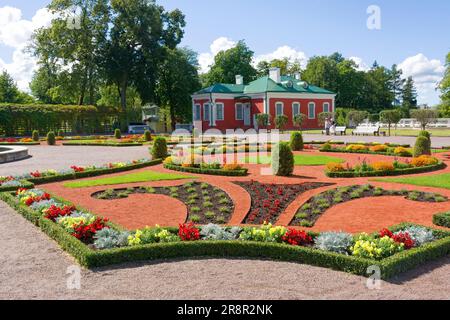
(265, 84)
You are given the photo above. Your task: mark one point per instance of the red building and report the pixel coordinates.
(235, 106)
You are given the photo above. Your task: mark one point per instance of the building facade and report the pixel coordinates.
(235, 106)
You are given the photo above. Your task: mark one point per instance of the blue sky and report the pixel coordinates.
(413, 34)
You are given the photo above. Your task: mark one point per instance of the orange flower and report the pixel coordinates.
(379, 148)
(335, 167)
(383, 166)
(424, 160)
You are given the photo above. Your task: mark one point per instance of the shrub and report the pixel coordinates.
(283, 160)
(117, 134)
(61, 133)
(379, 148)
(296, 141)
(159, 149)
(35, 136)
(338, 242)
(383, 166)
(422, 147)
(232, 167)
(402, 152)
(356, 147)
(423, 161)
(335, 167)
(442, 219)
(280, 122)
(51, 138)
(326, 147)
(147, 135)
(427, 135)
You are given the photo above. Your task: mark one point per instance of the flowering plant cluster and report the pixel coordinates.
(188, 232)
(14, 140)
(385, 149)
(297, 238)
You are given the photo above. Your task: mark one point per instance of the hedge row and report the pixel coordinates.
(213, 172)
(93, 173)
(23, 184)
(19, 143)
(396, 172)
(366, 152)
(225, 249)
(442, 219)
(106, 144)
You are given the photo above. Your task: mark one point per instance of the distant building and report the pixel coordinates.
(235, 106)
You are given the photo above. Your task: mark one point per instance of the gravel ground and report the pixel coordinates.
(33, 267)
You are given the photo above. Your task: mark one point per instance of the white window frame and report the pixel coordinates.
(295, 104)
(309, 110)
(276, 108)
(328, 107)
(236, 106)
(222, 106)
(206, 107)
(197, 112)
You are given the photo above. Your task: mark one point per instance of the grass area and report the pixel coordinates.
(143, 176)
(300, 160)
(437, 181)
(399, 132)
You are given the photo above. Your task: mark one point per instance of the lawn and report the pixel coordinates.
(143, 176)
(438, 181)
(300, 160)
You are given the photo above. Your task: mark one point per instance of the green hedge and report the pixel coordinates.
(24, 184)
(442, 219)
(99, 144)
(19, 143)
(397, 172)
(366, 152)
(213, 172)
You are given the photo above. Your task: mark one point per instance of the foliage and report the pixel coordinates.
(338, 242)
(108, 238)
(148, 135)
(445, 86)
(117, 134)
(299, 119)
(159, 149)
(357, 117)
(323, 116)
(422, 147)
(283, 160)
(442, 219)
(262, 119)
(51, 138)
(281, 122)
(424, 160)
(9, 91)
(35, 135)
(420, 235)
(370, 247)
(296, 141)
(425, 116)
(390, 117)
(335, 167)
(265, 233)
(215, 232)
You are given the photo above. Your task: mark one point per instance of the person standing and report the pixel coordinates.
(327, 126)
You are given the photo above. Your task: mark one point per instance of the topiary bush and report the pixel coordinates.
(296, 141)
(283, 160)
(422, 147)
(147, 135)
(427, 135)
(117, 134)
(51, 138)
(61, 133)
(159, 149)
(442, 219)
(35, 136)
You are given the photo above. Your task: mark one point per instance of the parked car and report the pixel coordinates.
(138, 128)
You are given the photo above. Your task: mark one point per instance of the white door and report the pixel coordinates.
(247, 115)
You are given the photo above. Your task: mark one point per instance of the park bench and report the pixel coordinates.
(339, 130)
(368, 130)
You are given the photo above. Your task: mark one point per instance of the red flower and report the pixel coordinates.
(85, 232)
(54, 212)
(36, 174)
(386, 233)
(405, 238)
(188, 232)
(77, 169)
(297, 238)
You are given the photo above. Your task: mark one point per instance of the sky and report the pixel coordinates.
(410, 33)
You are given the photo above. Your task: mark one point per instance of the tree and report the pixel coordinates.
(281, 122)
(262, 119)
(390, 117)
(324, 116)
(299, 119)
(322, 71)
(232, 62)
(425, 116)
(357, 117)
(9, 91)
(409, 97)
(444, 110)
(396, 83)
(177, 80)
(445, 85)
(287, 67)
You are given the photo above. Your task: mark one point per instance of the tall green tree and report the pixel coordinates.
(287, 67)
(444, 86)
(409, 97)
(396, 83)
(9, 92)
(229, 63)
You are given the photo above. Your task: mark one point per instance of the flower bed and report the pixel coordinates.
(442, 219)
(18, 142)
(11, 183)
(104, 143)
(270, 200)
(205, 203)
(310, 212)
(421, 164)
(196, 164)
(380, 149)
(95, 242)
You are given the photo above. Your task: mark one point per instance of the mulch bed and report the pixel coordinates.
(270, 200)
(205, 203)
(311, 211)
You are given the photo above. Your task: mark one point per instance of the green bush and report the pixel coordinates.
(61, 133)
(159, 149)
(147, 135)
(117, 134)
(422, 147)
(442, 219)
(296, 141)
(326, 147)
(281, 122)
(427, 135)
(35, 136)
(283, 160)
(51, 138)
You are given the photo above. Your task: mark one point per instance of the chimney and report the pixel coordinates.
(239, 80)
(275, 74)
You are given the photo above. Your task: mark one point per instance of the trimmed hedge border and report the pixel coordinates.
(397, 172)
(93, 173)
(23, 184)
(110, 144)
(213, 172)
(366, 152)
(90, 258)
(20, 143)
(442, 219)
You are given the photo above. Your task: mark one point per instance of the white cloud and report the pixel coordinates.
(362, 66)
(15, 32)
(206, 59)
(426, 74)
(282, 53)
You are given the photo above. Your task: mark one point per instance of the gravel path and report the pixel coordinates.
(33, 267)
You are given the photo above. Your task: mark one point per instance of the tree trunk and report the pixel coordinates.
(83, 87)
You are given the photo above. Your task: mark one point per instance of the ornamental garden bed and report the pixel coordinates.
(421, 164)
(214, 170)
(205, 203)
(270, 200)
(442, 219)
(380, 149)
(18, 142)
(311, 211)
(95, 242)
(101, 143)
